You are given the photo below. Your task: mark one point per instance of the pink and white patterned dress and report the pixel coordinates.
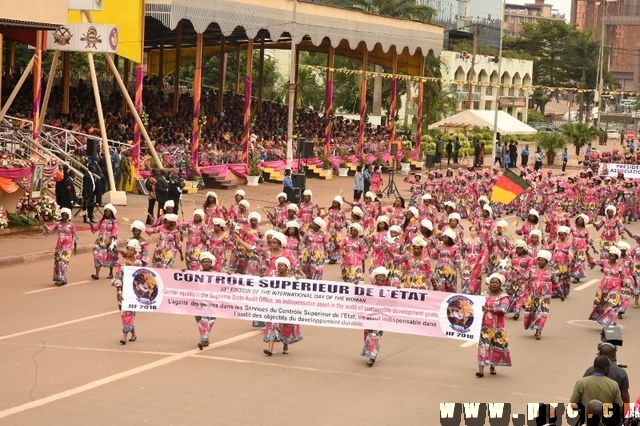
(196, 243)
(67, 238)
(105, 253)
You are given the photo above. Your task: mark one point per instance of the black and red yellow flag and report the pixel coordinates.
(508, 187)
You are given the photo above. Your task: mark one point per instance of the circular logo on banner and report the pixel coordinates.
(459, 311)
(113, 39)
(146, 286)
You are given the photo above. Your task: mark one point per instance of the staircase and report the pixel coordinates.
(215, 181)
(417, 165)
(319, 173)
(271, 175)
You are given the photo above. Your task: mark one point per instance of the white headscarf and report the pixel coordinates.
(338, 199)
(207, 255)
(241, 192)
(357, 227)
(171, 218)
(357, 211)
(169, 203)
(283, 261)
(426, 223)
(280, 237)
(212, 194)
(138, 224)
(545, 254)
(450, 233)
(110, 207)
(134, 244)
(380, 270)
(244, 203)
(282, 194)
(255, 215)
(500, 278)
(198, 212)
(65, 210)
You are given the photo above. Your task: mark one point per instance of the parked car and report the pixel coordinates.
(613, 134)
(544, 127)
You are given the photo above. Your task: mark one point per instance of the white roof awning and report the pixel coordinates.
(507, 124)
(315, 21)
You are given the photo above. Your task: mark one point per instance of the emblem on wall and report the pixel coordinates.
(92, 38)
(62, 36)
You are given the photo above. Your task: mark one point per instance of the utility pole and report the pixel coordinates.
(497, 96)
(292, 89)
(472, 71)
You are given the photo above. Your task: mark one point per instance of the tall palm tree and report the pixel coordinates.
(584, 54)
(407, 9)
(580, 134)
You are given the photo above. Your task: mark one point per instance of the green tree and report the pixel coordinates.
(580, 134)
(407, 9)
(540, 99)
(583, 56)
(551, 143)
(437, 102)
(534, 116)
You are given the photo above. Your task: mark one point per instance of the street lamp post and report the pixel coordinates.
(600, 81)
(497, 105)
(292, 89)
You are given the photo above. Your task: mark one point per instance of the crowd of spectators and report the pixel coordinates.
(221, 131)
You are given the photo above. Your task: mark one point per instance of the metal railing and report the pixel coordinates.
(14, 139)
(67, 140)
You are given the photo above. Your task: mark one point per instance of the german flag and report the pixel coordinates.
(508, 187)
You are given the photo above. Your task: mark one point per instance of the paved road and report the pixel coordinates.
(62, 363)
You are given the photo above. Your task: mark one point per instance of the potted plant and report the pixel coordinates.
(405, 165)
(254, 171)
(327, 166)
(343, 170)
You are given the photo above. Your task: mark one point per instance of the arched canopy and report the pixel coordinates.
(317, 28)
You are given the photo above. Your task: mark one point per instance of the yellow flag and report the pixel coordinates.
(125, 219)
(128, 16)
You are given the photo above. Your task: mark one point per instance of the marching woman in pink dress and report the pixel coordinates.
(336, 221)
(354, 251)
(541, 283)
(378, 243)
(448, 263)
(294, 237)
(279, 216)
(129, 258)
(170, 243)
(635, 256)
(249, 259)
(521, 263)
(276, 249)
(411, 225)
(396, 212)
(499, 247)
(394, 247)
(376, 180)
(485, 223)
(493, 347)
(219, 244)
(137, 228)
(474, 252)
(239, 215)
(234, 211)
(308, 211)
(581, 241)
(606, 304)
(562, 258)
(211, 209)
(415, 266)
(314, 250)
(612, 224)
(105, 249)
(196, 239)
(371, 209)
(628, 284)
(427, 210)
(205, 324)
(65, 245)
(535, 243)
(372, 337)
(288, 334)
(533, 222)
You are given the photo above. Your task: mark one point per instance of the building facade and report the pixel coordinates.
(461, 16)
(516, 15)
(513, 100)
(622, 34)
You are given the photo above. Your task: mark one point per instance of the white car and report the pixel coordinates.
(612, 134)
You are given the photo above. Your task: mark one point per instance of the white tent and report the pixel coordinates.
(466, 120)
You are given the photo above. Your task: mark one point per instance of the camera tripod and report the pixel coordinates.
(391, 188)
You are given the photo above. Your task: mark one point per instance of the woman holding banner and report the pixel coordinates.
(205, 324)
(493, 347)
(448, 263)
(129, 258)
(372, 337)
(288, 334)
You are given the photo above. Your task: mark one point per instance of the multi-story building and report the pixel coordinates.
(459, 16)
(622, 34)
(512, 100)
(516, 15)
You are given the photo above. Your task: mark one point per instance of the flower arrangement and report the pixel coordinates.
(44, 209)
(11, 162)
(4, 218)
(254, 167)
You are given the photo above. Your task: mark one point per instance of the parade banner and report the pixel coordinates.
(631, 171)
(287, 300)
